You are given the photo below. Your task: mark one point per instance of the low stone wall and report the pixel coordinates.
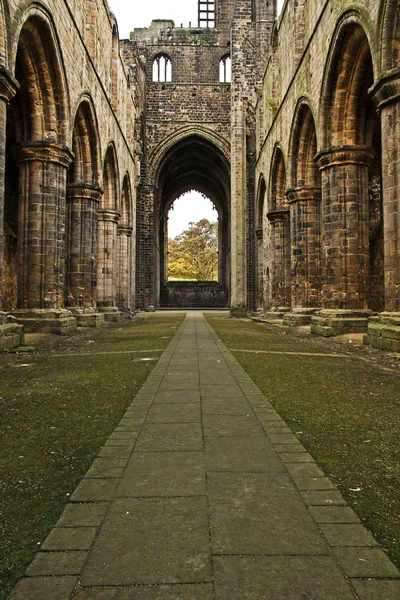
(194, 294)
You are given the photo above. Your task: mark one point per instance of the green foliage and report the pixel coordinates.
(193, 254)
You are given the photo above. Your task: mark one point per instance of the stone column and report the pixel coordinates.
(11, 333)
(345, 248)
(260, 269)
(41, 239)
(8, 89)
(238, 211)
(107, 264)
(81, 258)
(305, 231)
(280, 267)
(384, 329)
(124, 296)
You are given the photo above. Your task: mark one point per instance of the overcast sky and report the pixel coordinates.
(132, 14)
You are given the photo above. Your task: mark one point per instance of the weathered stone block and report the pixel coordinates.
(57, 321)
(384, 332)
(331, 322)
(112, 314)
(11, 334)
(299, 317)
(88, 317)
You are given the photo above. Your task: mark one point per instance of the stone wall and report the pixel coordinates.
(327, 104)
(71, 101)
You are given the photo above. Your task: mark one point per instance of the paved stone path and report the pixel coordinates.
(203, 493)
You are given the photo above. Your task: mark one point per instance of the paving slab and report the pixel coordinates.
(280, 578)
(260, 513)
(164, 474)
(202, 492)
(167, 437)
(174, 413)
(242, 455)
(150, 541)
(156, 592)
(43, 588)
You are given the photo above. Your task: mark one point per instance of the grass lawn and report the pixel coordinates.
(58, 406)
(345, 410)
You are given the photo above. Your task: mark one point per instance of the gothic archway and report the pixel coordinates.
(36, 165)
(193, 163)
(83, 196)
(305, 211)
(278, 261)
(351, 175)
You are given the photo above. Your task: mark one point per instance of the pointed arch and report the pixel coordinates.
(39, 69)
(390, 35)
(349, 73)
(85, 145)
(126, 202)
(111, 197)
(303, 148)
(277, 185)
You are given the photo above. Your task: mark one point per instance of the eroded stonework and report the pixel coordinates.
(289, 124)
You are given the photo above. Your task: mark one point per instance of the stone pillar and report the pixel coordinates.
(238, 211)
(280, 265)
(260, 269)
(124, 296)
(107, 264)
(82, 222)
(11, 334)
(8, 89)
(345, 248)
(41, 239)
(384, 329)
(305, 231)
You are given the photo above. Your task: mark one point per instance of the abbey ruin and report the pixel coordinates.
(289, 124)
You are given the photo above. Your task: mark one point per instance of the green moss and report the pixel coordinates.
(238, 312)
(56, 413)
(346, 412)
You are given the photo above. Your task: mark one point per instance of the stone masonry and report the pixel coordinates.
(289, 124)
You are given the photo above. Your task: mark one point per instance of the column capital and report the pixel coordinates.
(84, 191)
(44, 152)
(8, 85)
(304, 194)
(344, 155)
(108, 214)
(126, 230)
(387, 89)
(278, 216)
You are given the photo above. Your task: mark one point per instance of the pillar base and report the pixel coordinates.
(298, 317)
(275, 314)
(332, 322)
(46, 320)
(112, 314)
(11, 334)
(384, 332)
(88, 317)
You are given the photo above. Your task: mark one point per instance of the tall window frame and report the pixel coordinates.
(225, 69)
(162, 69)
(207, 14)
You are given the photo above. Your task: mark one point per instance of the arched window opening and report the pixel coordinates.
(225, 69)
(193, 239)
(162, 69)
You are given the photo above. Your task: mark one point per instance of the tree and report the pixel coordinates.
(194, 253)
